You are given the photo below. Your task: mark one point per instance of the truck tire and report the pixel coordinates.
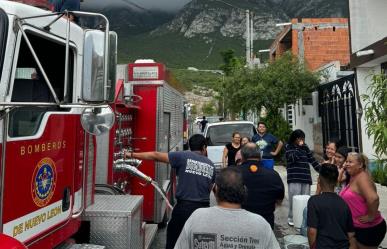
(106, 189)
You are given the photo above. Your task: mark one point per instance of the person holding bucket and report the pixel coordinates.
(266, 143)
(298, 157)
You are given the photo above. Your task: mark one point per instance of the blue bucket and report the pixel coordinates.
(267, 163)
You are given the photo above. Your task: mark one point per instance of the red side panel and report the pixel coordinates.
(145, 126)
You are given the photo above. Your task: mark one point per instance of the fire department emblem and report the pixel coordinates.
(43, 182)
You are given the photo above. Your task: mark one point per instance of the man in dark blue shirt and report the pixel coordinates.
(196, 175)
(203, 123)
(266, 143)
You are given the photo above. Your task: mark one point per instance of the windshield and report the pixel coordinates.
(3, 37)
(221, 134)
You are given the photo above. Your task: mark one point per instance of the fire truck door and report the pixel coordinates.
(40, 144)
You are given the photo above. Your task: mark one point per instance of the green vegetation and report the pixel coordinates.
(375, 111)
(380, 175)
(179, 52)
(190, 79)
(209, 109)
(281, 82)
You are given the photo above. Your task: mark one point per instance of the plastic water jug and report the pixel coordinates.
(299, 203)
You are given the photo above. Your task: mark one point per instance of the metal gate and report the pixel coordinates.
(337, 109)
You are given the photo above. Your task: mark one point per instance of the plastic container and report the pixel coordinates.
(296, 242)
(299, 204)
(267, 163)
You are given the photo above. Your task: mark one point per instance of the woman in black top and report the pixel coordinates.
(231, 149)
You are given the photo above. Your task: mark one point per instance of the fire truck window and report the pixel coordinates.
(25, 121)
(30, 85)
(52, 57)
(3, 36)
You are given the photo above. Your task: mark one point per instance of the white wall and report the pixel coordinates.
(368, 19)
(304, 116)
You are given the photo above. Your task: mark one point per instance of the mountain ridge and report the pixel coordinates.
(196, 34)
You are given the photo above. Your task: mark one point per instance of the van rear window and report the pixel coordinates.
(221, 134)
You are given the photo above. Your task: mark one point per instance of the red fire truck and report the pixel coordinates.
(55, 85)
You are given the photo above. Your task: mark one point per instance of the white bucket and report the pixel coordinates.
(299, 203)
(296, 242)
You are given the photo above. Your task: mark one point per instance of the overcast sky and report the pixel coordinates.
(169, 5)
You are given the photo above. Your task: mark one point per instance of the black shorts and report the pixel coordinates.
(371, 236)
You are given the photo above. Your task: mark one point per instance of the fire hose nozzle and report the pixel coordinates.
(122, 166)
(131, 161)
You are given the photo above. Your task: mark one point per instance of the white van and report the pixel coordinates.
(220, 133)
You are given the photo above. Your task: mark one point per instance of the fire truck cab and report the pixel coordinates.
(55, 84)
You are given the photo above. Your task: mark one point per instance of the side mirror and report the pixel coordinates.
(93, 67)
(97, 120)
(112, 70)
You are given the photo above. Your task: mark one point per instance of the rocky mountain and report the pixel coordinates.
(125, 21)
(197, 33)
(228, 18)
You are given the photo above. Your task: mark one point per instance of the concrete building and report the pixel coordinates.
(368, 53)
(323, 45)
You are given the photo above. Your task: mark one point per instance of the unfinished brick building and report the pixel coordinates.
(316, 40)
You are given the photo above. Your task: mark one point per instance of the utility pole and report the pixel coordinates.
(251, 39)
(248, 50)
(249, 33)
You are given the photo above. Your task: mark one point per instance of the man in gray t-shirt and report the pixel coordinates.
(227, 225)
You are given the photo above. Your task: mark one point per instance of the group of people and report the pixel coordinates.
(268, 144)
(344, 212)
(247, 195)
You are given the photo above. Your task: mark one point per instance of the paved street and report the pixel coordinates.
(281, 227)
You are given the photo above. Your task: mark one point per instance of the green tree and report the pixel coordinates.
(376, 115)
(231, 62)
(281, 82)
(209, 108)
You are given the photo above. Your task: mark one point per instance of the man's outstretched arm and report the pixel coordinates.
(153, 155)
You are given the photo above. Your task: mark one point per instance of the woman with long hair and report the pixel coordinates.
(339, 160)
(231, 149)
(363, 200)
(330, 149)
